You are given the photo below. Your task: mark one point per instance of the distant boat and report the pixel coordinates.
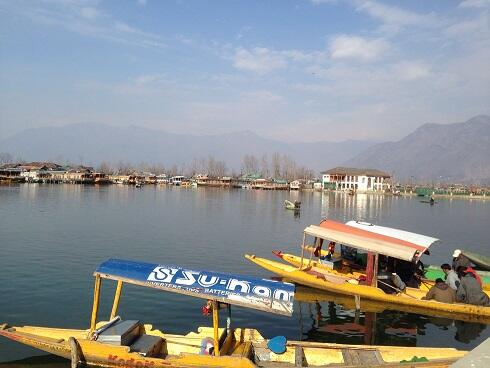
(296, 205)
(483, 262)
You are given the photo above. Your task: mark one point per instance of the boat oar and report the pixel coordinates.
(398, 290)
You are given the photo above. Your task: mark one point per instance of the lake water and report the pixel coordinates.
(52, 237)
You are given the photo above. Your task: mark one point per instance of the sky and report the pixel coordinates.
(296, 71)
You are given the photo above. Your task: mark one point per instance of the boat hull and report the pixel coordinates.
(410, 298)
(56, 341)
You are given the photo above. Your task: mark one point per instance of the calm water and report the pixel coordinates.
(53, 236)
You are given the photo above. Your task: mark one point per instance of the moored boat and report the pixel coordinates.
(296, 205)
(433, 272)
(376, 245)
(479, 260)
(118, 342)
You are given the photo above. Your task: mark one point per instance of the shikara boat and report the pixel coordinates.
(433, 272)
(479, 260)
(130, 343)
(375, 244)
(296, 205)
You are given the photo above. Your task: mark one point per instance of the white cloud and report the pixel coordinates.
(394, 18)
(354, 47)
(89, 13)
(475, 28)
(262, 96)
(318, 2)
(259, 60)
(82, 17)
(141, 2)
(411, 70)
(475, 4)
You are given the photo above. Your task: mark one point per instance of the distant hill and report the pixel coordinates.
(92, 143)
(458, 152)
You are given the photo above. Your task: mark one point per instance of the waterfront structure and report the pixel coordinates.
(206, 181)
(79, 175)
(295, 185)
(354, 179)
(162, 179)
(11, 173)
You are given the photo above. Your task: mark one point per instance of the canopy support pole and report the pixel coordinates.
(215, 326)
(302, 251)
(317, 241)
(228, 320)
(95, 307)
(375, 271)
(117, 296)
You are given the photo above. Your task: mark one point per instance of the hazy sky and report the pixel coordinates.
(292, 70)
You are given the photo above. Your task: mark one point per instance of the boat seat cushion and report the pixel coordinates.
(147, 345)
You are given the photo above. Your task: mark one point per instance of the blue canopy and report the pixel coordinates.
(266, 295)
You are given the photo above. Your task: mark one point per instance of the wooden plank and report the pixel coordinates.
(298, 356)
(351, 357)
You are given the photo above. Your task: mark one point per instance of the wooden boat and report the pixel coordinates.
(479, 260)
(346, 270)
(433, 272)
(296, 205)
(130, 343)
(375, 243)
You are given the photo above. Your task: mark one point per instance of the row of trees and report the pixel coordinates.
(277, 166)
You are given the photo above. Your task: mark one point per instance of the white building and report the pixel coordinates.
(359, 180)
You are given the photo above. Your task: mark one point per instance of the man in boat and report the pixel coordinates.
(460, 260)
(452, 279)
(470, 291)
(389, 282)
(441, 292)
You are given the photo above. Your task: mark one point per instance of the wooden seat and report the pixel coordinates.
(147, 345)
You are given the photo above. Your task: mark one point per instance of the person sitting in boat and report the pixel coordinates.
(348, 253)
(441, 292)
(411, 273)
(460, 260)
(470, 291)
(452, 279)
(389, 282)
(331, 251)
(431, 200)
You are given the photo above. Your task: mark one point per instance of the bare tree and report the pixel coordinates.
(5, 158)
(221, 169)
(105, 168)
(250, 164)
(124, 167)
(276, 165)
(264, 166)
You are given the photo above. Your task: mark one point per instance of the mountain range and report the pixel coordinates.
(91, 143)
(457, 152)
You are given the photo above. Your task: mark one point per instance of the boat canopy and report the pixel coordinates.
(422, 240)
(265, 295)
(366, 240)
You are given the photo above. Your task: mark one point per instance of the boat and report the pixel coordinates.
(131, 343)
(479, 260)
(296, 205)
(433, 272)
(374, 243)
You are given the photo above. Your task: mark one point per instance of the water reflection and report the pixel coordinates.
(332, 318)
(361, 206)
